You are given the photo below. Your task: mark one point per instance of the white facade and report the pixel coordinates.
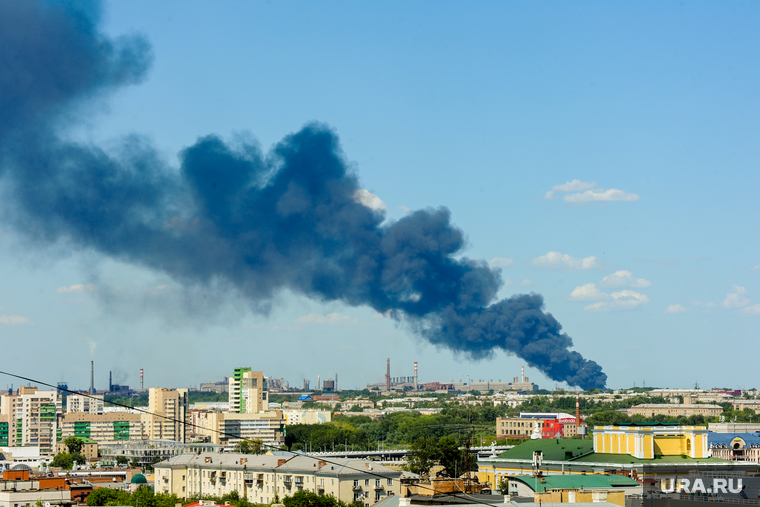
(92, 404)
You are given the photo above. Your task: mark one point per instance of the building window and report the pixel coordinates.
(390, 482)
(366, 482)
(356, 483)
(377, 483)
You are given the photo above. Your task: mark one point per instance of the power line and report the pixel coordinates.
(223, 433)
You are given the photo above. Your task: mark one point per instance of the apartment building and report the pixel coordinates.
(265, 479)
(92, 404)
(32, 418)
(306, 416)
(230, 427)
(550, 425)
(168, 418)
(747, 404)
(4, 430)
(675, 410)
(111, 428)
(249, 391)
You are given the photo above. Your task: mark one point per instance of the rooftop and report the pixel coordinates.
(552, 449)
(590, 481)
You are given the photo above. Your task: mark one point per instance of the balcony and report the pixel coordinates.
(379, 487)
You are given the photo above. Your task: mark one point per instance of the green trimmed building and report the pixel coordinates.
(110, 428)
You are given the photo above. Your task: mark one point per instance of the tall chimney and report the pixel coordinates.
(415, 376)
(92, 377)
(522, 374)
(110, 381)
(388, 376)
(335, 387)
(141, 379)
(577, 411)
(318, 382)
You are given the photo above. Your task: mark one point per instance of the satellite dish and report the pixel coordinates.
(47, 504)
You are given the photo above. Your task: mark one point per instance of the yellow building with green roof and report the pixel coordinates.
(649, 440)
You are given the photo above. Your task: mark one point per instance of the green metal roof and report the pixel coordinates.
(563, 449)
(139, 479)
(576, 481)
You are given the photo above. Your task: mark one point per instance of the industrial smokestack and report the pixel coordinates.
(415, 376)
(141, 379)
(294, 219)
(522, 374)
(319, 386)
(92, 377)
(388, 376)
(110, 381)
(335, 387)
(577, 411)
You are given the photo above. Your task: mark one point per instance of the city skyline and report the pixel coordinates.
(609, 171)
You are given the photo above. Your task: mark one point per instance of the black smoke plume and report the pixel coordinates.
(292, 218)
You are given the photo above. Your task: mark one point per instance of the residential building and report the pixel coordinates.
(144, 452)
(675, 410)
(110, 428)
(5, 432)
(550, 425)
(92, 404)
(265, 479)
(167, 417)
(32, 418)
(728, 427)
(17, 488)
(229, 428)
(306, 416)
(747, 404)
(249, 391)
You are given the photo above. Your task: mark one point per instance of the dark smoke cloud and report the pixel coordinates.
(287, 219)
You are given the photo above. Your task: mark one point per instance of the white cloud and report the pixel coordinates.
(14, 320)
(501, 262)
(570, 186)
(624, 279)
(330, 318)
(588, 292)
(600, 194)
(754, 309)
(736, 298)
(404, 209)
(556, 260)
(369, 200)
(73, 289)
(623, 300)
(675, 309)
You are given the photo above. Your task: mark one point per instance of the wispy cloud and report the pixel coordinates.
(14, 320)
(623, 300)
(556, 260)
(737, 298)
(570, 186)
(675, 309)
(501, 262)
(754, 309)
(74, 289)
(588, 292)
(624, 278)
(369, 200)
(582, 192)
(600, 195)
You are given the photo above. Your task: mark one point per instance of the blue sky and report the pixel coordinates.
(642, 116)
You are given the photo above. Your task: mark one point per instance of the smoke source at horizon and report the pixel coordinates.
(294, 218)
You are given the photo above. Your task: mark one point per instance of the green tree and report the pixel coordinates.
(423, 455)
(305, 498)
(66, 460)
(453, 459)
(74, 444)
(106, 496)
(254, 446)
(122, 460)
